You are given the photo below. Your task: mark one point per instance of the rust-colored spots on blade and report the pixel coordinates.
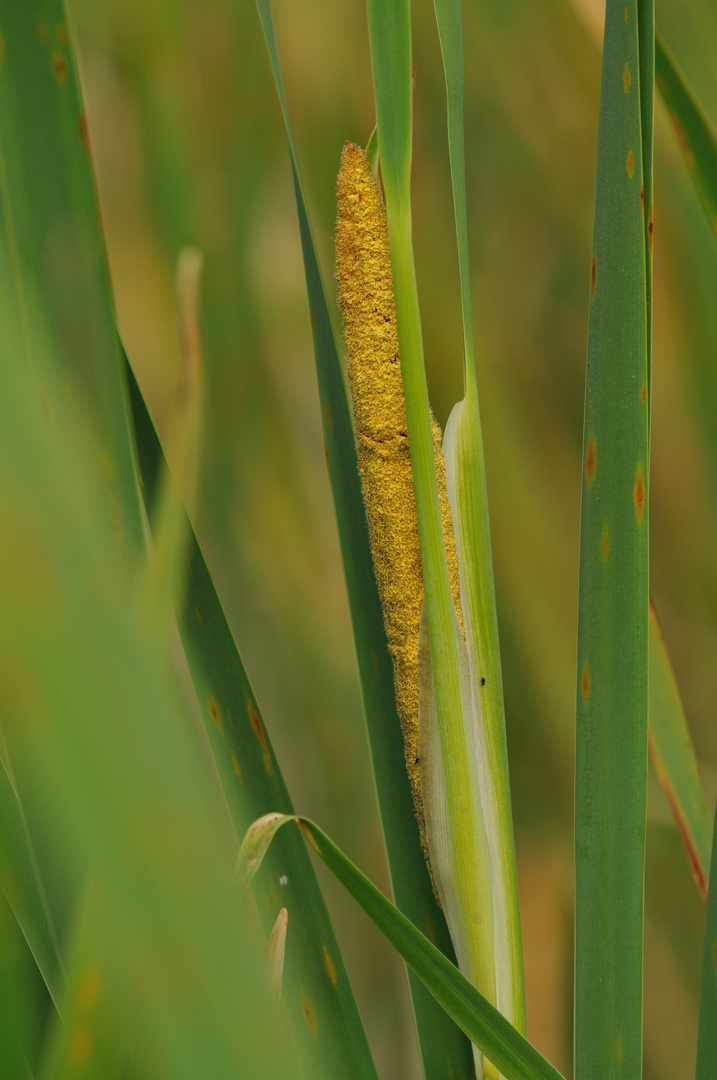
(593, 274)
(59, 66)
(235, 763)
(308, 1013)
(630, 165)
(328, 419)
(585, 683)
(215, 713)
(642, 195)
(650, 227)
(625, 14)
(84, 132)
(605, 542)
(643, 393)
(638, 493)
(62, 35)
(618, 1048)
(197, 615)
(255, 721)
(329, 967)
(626, 78)
(306, 834)
(590, 460)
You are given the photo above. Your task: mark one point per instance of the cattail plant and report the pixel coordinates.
(132, 940)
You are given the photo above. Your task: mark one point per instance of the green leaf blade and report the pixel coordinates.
(611, 751)
(51, 242)
(510, 1051)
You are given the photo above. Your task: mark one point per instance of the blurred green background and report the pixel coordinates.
(189, 147)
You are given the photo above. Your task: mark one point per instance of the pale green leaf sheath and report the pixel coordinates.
(611, 736)
(461, 837)
(467, 492)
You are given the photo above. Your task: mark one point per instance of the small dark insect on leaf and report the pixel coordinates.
(482, 680)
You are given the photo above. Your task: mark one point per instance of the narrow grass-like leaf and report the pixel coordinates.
(674, 759)
(707, 1031)
(50, 240)
(442, 1044)
(611, 751)
(510, 1052)
(695, 133)
(19, 879)
(252, 782)
(465, 467)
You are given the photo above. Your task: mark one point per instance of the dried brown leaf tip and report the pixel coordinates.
(363, 272)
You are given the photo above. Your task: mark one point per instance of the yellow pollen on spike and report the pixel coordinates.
(363, 273)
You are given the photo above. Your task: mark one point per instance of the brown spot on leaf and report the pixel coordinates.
(590, 460)
(197, 615)
(626, 78)
(585, 683)
(593, 275)
(638, 494)
(630, 164)
(625, 14)
(215, 713)
(643, 392)
(605, 543)
(327, 416)
(62, 35)
(59, 66)
(308, 1012)
(255, 721)
(650, 227)
(330, 967)
(618, 1049)
(642, 195)
(306, 834)
(235, 763)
